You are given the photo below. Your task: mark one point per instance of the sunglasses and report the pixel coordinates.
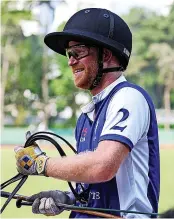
(78, 51)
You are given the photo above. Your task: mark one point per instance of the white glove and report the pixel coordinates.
(47, 202)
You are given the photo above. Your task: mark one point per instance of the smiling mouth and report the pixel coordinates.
(77, 71)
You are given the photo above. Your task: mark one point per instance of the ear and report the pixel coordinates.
(107, 55)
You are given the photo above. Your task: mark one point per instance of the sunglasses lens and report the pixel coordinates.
(71, 53)
(77, 52)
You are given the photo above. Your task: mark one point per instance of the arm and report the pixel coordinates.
(90, 167)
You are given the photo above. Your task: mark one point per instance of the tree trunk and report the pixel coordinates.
(45, 90)
(5, 68)
(4, 72)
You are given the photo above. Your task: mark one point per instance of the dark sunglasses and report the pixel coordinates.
(78, 51)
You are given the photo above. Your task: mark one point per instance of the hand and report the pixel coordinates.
(30, 160)
(47, 202)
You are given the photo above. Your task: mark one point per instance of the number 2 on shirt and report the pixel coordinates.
(124, 117)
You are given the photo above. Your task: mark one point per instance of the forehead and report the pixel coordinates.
(73, 43)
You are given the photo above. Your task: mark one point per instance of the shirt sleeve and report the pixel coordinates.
(127, 117)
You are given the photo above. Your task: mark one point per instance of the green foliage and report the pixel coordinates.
(151, 63)
(31, 64)
(151, 32)
(10, 21)
(19, 51)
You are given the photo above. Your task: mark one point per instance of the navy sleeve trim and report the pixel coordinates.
(120, 138)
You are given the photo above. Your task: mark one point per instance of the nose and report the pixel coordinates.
(72, 61)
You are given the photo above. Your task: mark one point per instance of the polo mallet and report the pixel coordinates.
(22, 200)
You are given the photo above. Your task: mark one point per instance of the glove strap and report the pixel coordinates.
(41, 164)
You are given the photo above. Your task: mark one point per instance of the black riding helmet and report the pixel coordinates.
(99, 27)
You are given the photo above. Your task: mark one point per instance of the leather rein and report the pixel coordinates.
(31, 141)
(22, 200)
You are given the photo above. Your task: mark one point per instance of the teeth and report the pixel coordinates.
(78, 70)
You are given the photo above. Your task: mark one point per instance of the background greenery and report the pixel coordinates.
(36, 184)
(37, 84)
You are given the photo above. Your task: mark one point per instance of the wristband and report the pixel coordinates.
(41, 164)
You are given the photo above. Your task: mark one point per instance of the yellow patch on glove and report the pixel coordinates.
(32, 151)
(31, 160)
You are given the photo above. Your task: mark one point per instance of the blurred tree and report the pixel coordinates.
(165, 64)
(149, 28)
(25, 88)
(26, 68)
(138, 72)
(11, 37)
(47, 101)
(37, 81)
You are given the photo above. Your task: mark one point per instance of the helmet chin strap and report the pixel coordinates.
(100, 72)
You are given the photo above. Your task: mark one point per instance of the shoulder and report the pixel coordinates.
(130, 97)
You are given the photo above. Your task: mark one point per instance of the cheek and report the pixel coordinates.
(92, 68)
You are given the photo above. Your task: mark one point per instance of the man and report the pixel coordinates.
(116, 134)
